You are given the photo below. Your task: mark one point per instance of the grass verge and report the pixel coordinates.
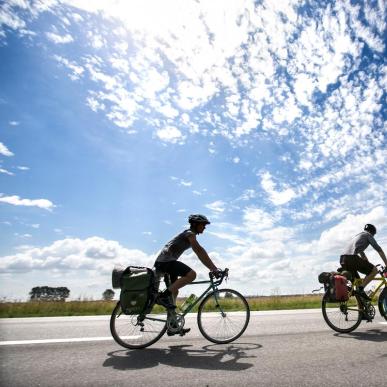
(93, 308)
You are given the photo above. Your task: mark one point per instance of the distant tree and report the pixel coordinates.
(47, 293)
(228, 295)
(108, 295)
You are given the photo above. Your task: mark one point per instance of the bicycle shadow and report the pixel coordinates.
(223, 357)
(375, 335)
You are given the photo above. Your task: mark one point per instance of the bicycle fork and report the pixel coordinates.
(217, 304)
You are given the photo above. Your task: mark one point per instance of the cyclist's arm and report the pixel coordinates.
(363, 256)
(383, 256)
(201, 253)
(375, 245)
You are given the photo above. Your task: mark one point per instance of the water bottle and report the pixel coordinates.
(188, 302)
(370, 291)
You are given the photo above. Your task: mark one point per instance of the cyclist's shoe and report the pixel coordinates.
(366, 317)
(182, 332)
(362, 294)
(165, 300)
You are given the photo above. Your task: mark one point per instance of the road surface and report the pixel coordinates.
(287, 348)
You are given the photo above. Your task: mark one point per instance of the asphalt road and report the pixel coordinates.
(287, 348)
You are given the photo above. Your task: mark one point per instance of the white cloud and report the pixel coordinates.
(76, 70)
(276, 197)
(218, 206)
(305, 164)
(181, 182)
(335, 239)
(186, 183)
(170, 134)
(6, 172)
(5, 151)
(10, 19)
(265, 77)
(93, 253)
(97, 41)
(303, 87)
(59, 39)
(94, 104)
(17, 201)
(168, 111)
(255, 220)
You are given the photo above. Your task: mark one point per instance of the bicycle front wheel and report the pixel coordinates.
(133, 331)
(343, 317)
(382, 303)
(223, 316)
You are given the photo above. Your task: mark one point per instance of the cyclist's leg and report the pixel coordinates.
(176, 269)
(181, 275)
(370, 276)
(356, 264)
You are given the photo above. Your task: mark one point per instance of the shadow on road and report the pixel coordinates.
(376, 335)
(214, 357)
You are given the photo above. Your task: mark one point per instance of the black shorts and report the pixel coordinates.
(354, 263)
(173, 268)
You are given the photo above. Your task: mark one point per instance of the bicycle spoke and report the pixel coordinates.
(130, 333)
(342, 317)
(227, 322)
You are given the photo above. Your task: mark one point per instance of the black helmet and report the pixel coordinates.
(197, 218)
(370, 228)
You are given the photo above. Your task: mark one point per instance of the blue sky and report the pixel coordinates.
(119, 120)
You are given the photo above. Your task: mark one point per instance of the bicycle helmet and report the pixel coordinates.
(197, 218)
(370, 228)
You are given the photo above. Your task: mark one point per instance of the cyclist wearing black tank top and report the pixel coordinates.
(180, 273)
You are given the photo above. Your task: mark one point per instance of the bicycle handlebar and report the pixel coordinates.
(382, 270)
(222, 274)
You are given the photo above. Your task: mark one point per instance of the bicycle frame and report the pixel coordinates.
(373, 294)
(213, 285)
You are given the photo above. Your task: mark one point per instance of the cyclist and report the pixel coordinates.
(180, 273)
(354, 259)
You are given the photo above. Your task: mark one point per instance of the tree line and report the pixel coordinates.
(48, 293)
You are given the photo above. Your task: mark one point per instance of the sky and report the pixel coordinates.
(118, 119)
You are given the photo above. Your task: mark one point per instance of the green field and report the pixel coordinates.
(92, 308)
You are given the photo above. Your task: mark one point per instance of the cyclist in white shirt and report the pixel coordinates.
(354, 259)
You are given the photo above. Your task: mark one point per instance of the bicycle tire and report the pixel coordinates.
(382, 303)
(234, 319)
(334, 314)
(127, 333)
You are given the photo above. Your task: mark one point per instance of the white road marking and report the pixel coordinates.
(131, 337)
(69, 340)
(49, 341)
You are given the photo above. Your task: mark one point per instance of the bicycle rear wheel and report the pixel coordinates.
(223, 316)
(382, 303)
(135, 332)
(343, 317)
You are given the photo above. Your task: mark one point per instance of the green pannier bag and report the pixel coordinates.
(136, 288)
